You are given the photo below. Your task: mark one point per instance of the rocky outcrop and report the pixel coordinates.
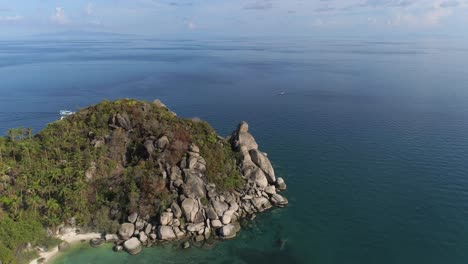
(166, 233)
(126, 231)
(227, 231)
(132, 246)
(201, 210)
(264, 164)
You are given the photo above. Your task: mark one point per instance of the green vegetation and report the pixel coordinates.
(93, 167)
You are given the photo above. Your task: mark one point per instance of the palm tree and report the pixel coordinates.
(34, 201)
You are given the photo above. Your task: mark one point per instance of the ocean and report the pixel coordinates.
(370, 135)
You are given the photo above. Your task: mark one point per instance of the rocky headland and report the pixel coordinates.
(201, 211)
(140, 175)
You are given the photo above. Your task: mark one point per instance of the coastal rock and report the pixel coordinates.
(186, 245)
(246, 141)
(227, 231)
(132, 217)
(111, 238)
(176, 210)
(270, 190)
(63, 246)
(243, 127)
(132, 246)
(199, 217)
(194, 186)
(165, 218)
(166, 233)
(139, 224)
(216, 223)
(261, 203)
(258, 176)
(190, 208)
(211, 213)
(278, 200)
(159, 104)
(195, 227)
(220, 207)
(143, 237)
(126, 231)
(96, 242)
(281, 184)
(148, 228)
(178, 232)
(118, 248)
(264, 163)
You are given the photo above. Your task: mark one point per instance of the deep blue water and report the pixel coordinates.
(370, 135)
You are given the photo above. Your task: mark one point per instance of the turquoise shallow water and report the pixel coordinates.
(369, 136)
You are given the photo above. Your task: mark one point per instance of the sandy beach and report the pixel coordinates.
(71, 238)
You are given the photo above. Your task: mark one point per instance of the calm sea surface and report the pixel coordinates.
(371, 136)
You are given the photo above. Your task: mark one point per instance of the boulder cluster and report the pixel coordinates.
(201, 211)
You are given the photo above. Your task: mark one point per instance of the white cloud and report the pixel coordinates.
(89, 9)
(10, 18)
(59, 17)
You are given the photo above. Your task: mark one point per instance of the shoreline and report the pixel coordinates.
(71, 238)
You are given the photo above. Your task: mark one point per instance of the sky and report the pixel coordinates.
(235, 17)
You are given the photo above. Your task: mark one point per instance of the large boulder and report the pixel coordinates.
(247, 141)
(270, 190)
(259, 177)
(264, 163)
(139, 224)
(220, 207)
(195, 227)
(166, 233)
(143, 237)
(194, 186)
(111, 238)
(190, 208)
(165, 218)
(126, 231)
(227, 217)
(278, 200)
(227, 231)
(243, 127)
(261, 203)
(148, 228)
(211, 213)
(132, 217)
(132, 246)
(121, 120)
(216, 223)
(280, 184)
(176, 210)
(242, 140)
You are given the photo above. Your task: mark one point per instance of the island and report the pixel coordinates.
(131, 173)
